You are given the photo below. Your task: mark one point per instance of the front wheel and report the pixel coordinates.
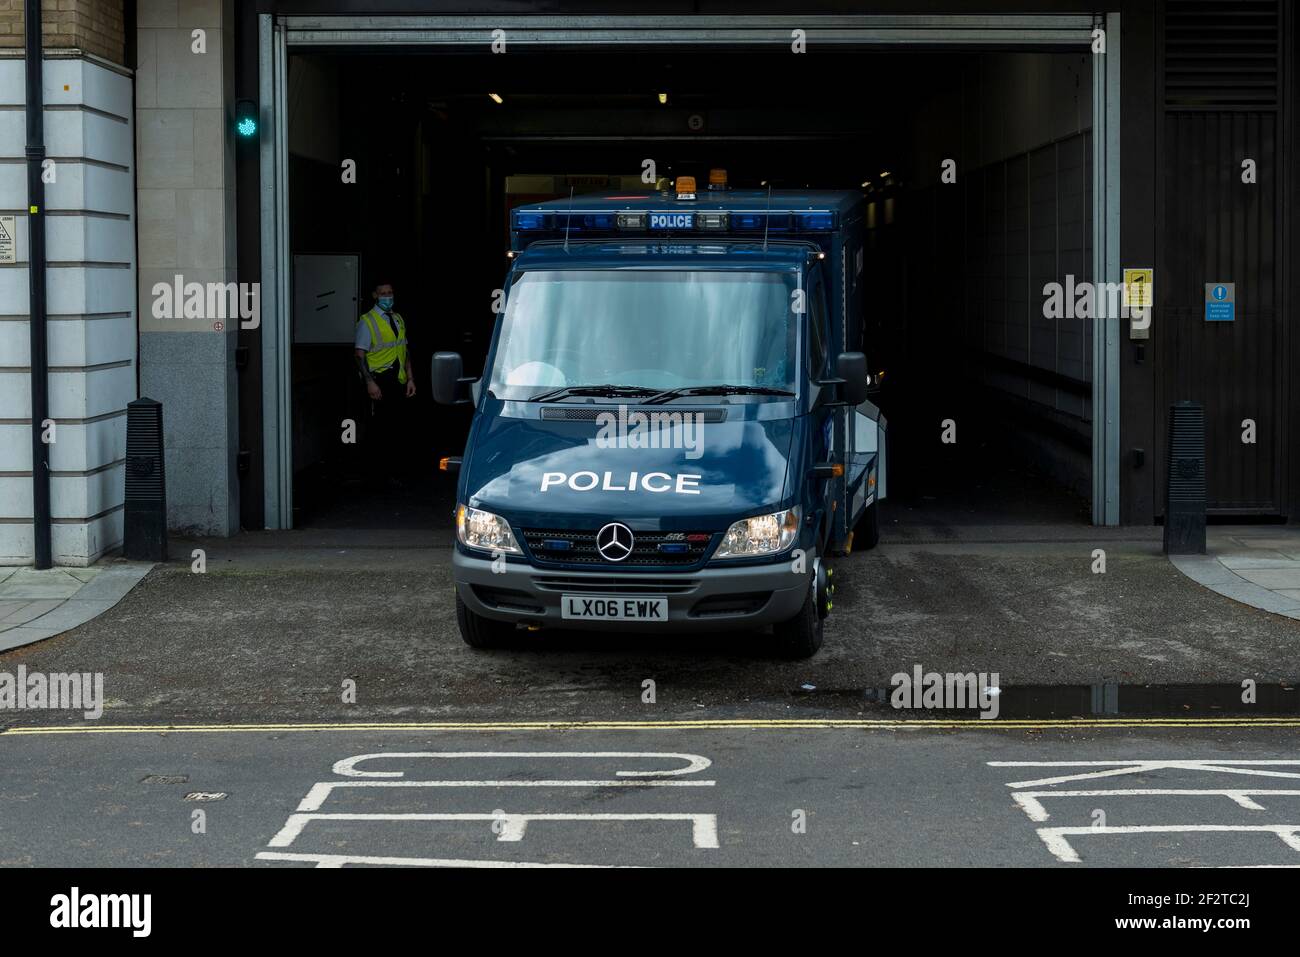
(480, 632)
(801, 636)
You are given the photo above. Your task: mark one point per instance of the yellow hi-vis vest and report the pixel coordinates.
(387, 343)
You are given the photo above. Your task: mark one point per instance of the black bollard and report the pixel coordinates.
(146, 490)
(1185, 485)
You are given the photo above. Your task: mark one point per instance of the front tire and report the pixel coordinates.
(480, 632)
(801, 636)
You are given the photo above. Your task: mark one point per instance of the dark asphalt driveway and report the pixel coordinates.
(281, 621)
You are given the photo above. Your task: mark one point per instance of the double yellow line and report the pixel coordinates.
(703, 724)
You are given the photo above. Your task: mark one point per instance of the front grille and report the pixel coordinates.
(579, 548)
(606, 585)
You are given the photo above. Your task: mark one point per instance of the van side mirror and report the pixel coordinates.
(449, 385)
(855, 383)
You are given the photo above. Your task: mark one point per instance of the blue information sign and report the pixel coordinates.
(1220, 302)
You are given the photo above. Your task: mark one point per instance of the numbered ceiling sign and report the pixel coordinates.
(1220, 302)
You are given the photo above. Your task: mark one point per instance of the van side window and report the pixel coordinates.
(817, 331)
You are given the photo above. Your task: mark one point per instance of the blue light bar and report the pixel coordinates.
(815, 222)
(678, 221)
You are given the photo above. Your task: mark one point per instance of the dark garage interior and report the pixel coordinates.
(954, 271)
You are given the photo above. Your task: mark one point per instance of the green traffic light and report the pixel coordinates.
(247, 126)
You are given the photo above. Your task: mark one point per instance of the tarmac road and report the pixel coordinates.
(281, 626)
(747, 795)
(279, 622)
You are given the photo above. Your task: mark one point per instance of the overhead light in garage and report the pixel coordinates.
(496, 98)
(663, 99)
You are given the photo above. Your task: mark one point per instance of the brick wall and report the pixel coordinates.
(95, 26)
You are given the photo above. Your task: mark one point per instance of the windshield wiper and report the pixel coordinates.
(610, 391)
(669, 394)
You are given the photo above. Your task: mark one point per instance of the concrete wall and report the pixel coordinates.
(90, 246)
(315, 130)
(1017, 217)
(93, 26)
(1002, 105)
(184, 115)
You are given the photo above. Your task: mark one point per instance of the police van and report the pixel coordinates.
(673, 430)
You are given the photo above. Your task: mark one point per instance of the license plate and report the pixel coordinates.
(614, 607)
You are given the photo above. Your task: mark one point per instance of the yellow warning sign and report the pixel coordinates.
(8, 246)
(1137, 288)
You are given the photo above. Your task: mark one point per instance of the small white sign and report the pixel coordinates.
(8, 240)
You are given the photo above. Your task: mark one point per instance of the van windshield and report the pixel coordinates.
(648, 329)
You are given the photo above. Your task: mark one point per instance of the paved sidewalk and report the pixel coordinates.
(1257, 565)
(35, 605)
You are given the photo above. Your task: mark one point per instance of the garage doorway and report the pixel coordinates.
(871, 106)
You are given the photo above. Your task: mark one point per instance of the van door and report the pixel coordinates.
(864, 462)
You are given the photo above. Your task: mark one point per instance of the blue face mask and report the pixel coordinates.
(386, 303)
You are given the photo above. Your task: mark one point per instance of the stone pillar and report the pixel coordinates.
(186, 191)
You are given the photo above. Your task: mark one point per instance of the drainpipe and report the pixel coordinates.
(36, 269)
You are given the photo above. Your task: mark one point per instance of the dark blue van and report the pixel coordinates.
(673, 429)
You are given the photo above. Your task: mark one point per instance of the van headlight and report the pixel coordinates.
(479, 529)
(760, 535)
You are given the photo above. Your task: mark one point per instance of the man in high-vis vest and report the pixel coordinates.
(385, 367)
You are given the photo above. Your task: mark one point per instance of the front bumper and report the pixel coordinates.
(707, 599)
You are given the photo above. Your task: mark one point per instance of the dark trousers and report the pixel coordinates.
(386, 452)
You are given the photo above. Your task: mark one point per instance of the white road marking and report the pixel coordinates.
(1055, 837)
(339, 860)
(510, 827)
(704, 827)
(1031, 805)
(694, 762)
(1142, 765)
(321, 790)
